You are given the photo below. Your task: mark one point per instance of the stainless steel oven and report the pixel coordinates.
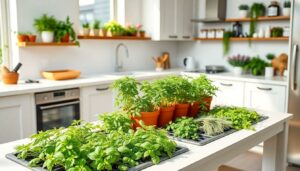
(57, 108)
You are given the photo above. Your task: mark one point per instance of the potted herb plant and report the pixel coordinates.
(243, 10)
(96, 27)
(256, 66)
(286, 8)
(22, 37)
(269, 71)
(238, 62)
(131, 30)
(114, 29)
(46, 25)
(103, 32)
(86, 29)
(31, 37)
(64, 31)
(277, 32)
(141, 32)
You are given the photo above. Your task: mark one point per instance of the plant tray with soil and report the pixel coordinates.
(141, 166)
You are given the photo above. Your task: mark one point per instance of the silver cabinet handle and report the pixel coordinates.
(294, 67)
(264, 89)
(227, 85)
(102, 89)
(173, 37)
(186, 37)
(59, 105)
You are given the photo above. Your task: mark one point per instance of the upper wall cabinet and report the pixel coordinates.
(168, 19)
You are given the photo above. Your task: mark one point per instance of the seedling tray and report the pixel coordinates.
(205, 139)
(13, 157)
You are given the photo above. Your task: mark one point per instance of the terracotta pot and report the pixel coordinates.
(66, 38)
(149, 118)
(194, 109)
(207, 101)
(10, 78)
(22, 38)
(142, 33)
(166, 115)
(103, 33)
(181, 110)
(32, 38)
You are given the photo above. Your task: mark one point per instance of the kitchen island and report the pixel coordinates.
(273, 132)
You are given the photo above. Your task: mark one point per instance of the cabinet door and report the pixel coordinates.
(184, 17)
(168, 11)
(265, 97)
(95, 100)
(230, 93)
(17, 118)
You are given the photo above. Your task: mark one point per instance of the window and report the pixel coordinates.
(91, 10)
(4, 33)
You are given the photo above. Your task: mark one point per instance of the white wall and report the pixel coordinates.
(211, 52)
(92, 57)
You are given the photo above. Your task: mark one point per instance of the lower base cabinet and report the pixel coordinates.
(17, 117)
(95, 100)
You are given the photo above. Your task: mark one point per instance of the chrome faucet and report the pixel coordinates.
(119, 61)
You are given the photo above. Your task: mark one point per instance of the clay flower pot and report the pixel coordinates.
(142, 33)
(207, 101)
(103, 33)
(181, 110)
(166, 115)
(149, 118)
(32, 38)
(66, 38)
(194, 109)
(22, 38)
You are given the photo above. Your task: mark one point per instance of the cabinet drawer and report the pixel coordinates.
(265, 97)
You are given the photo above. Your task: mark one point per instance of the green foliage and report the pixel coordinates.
(82, 147)
(186, 128)
(130, 30)
(270, 57)
(226, 41)
(238, 60)
(96, 24)
(86, 25)
(63, 28)
(45, 23)
(241, 118)
(164, 92)
(115, 28)
(116, 121)
(256, 66)
(287, 4)
(277, 32)
(243, 7)
(257, 10)
(182, 88)
(213, 126)
(204, 87)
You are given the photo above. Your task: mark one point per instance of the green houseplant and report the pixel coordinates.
(86, 29)
(256, 66)
(46, 25)
(269, 71)
(226, 41)
(243, 10)
(277, 32)
(287, 8)
(238, 62)
(64, 30)
(96, 27)
(131, 30)
(257, 10)
(114, 28)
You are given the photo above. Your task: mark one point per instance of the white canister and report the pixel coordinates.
(268, 32)
(286, 11)
(243, 13)
(47, 36)
(269, 72)
(261, 33)
(286, 31)
(96, 32)
(211, 33)
(203, 33)
(86, 31)
(237, 70)
(220, 33)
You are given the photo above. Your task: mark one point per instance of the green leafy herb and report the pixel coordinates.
(63, 28)
(213, 126)
(256, 66)
(243, 7)
(186, 128)
(45, 23)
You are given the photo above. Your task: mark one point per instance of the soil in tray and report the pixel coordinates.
(141, 166)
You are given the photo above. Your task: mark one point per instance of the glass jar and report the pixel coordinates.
(273, 9)
(220, 33)
(203, 33)
(211, 33)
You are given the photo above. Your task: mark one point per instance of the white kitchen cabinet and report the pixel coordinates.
(168, 19)
(95, 100)
(265, 97)
(230, 93)
(17, 117)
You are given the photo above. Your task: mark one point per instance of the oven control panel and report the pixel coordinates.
(57, 96)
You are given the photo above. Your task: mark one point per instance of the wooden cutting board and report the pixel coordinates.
(61, 74)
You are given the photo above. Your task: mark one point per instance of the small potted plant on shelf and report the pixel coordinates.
(141, 33)
(86, 29)
(103, 32)
(96, 27)
(46, 25)
(286, 8)
(238, 62)
(114, 29)
(64, 31)
(22, 37)
(31, 37)
(269, 71)
(256, 66)
(277, 32)
(243, 10)
(131, 30)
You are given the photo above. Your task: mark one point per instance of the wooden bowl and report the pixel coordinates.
(10, 77)
(61, 74)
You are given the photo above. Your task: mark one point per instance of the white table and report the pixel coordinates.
(273, 132)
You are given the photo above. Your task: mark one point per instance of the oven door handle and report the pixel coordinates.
(59, 105)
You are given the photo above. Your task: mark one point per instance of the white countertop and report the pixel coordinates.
(196, 154)
(90, 80)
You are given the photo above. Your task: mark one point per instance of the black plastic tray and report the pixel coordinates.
(205, 139)
(12, 156)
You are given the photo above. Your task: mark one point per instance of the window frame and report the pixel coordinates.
(5, 32)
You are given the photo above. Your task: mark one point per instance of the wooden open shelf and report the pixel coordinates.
(246, 39)
(30, 44)
(259, 19)
(114, 38)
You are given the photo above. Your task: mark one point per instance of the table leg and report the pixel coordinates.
(275, 151)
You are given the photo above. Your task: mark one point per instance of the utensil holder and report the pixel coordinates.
(10, 78)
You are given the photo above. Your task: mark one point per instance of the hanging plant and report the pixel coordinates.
(226, 42)
(257, 10)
